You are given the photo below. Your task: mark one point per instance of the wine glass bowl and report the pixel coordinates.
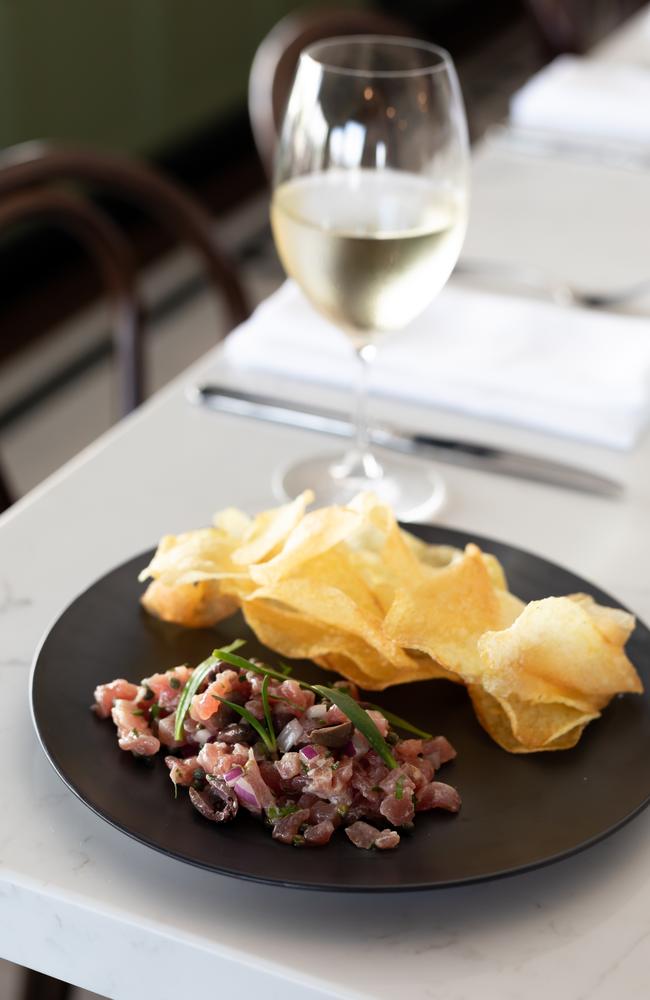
(368, 214)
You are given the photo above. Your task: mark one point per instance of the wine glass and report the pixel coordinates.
(368, 214)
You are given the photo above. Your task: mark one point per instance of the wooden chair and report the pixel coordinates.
(576, 25)
(34, 186)
(276, 59)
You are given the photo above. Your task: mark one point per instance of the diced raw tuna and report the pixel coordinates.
(166, 731)
(225, 684)
(133, 730)
(408, 749)
(439, 750)
(387, 839)
(437, 795)
(106, 694)
(167, 687)
(315, 782)
(262, 792)
(362, 834)
(287, 828)
(319, 834)
(289, 765)
(321, 811)
(399, 812)
(184, 772)
(380, 721)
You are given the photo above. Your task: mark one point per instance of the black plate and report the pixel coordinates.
(518, 812)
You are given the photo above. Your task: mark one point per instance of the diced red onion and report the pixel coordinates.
(233, 774)
(309, 753)
(246, 795)
(349, 749)
(289, 735)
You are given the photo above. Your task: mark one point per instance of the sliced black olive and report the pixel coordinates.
(332, 736)
(217, 801)
(236, 732)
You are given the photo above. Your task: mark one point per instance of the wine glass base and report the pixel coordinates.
(412, 489)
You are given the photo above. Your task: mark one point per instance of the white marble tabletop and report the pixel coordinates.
(81, 901)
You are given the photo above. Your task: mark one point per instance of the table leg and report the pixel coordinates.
(37, 986)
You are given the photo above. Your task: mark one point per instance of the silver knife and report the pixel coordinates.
(456, 452)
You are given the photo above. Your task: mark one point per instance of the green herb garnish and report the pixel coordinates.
(194, 683)
(137, 711)
(267, 715)
(359, 719)
(251, 720)
(337, 696)
(357, 715)
(228, 656)
(154, 711)
(399, 788)
(395, 720)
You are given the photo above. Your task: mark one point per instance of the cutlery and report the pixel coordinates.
(597, 150)
(498, 460)
(561, 292)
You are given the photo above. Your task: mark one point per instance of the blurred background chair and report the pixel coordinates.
(276, 59)
(35, 184)
(576, 25)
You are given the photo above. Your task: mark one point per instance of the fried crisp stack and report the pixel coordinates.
(349, 589)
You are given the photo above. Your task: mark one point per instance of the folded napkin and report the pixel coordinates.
(587, 97)
(568, 371)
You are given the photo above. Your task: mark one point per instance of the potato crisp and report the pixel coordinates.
(351, 590)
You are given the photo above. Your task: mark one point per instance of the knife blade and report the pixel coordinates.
(501, 461)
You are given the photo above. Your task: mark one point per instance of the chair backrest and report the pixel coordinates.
(576, 25)
(34, 187)
(276, 59)
(45, 167)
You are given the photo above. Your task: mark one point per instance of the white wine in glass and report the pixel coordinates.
(369, 214)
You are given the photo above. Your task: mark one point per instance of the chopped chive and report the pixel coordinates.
(399, 788)
(194, 683)
(274, 813)
(267, 714)
(137, 711)
(154, 711)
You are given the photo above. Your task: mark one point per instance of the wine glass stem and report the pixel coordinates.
(365, 357)
(359, 462)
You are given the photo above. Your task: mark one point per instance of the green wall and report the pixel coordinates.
(127, 74)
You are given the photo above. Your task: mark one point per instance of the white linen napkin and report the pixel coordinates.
(572, 372)
(587, 98)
